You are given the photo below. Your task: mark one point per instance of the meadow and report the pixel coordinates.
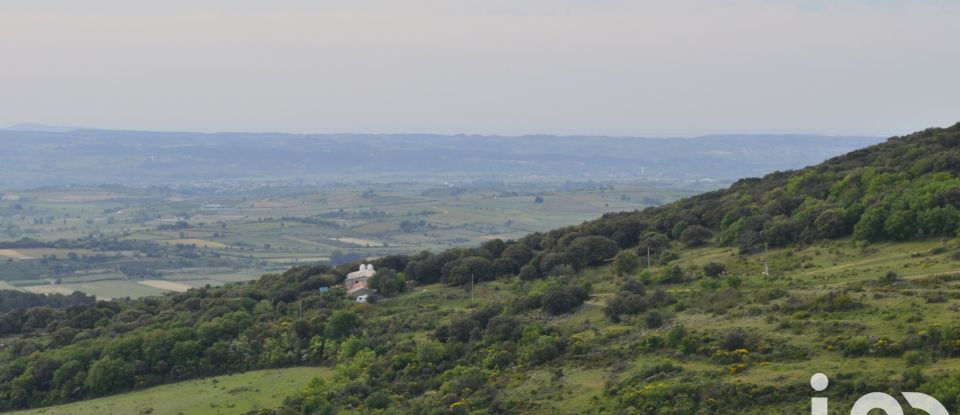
(220, 395)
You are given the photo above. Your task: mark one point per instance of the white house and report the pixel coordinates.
(366, 270)
(356, 282)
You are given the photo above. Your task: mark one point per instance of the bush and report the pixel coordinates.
(109, 375)
(889, 278)
(671, 275)
(733, 340)
(590, 250)
(529, 273)
(559, 300)
(470, 269)
(633, 286)
(856, 347)
(625, 263)
(695, 235)
(667, 257)
(653, 320)
(714, 269)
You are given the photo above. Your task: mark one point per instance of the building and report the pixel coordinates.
(356, 282)
(362, 299)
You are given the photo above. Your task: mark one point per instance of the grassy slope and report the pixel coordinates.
(229, 394)
(574, 385)
(888, 312)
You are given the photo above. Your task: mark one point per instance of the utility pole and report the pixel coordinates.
(766, 261)
(648, 256)
(471, 286)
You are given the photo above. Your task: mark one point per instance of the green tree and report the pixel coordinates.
(714, 269)
(625, 263)
(871, 224)
(559, 300)
(654, 241)
(340, 324)
(529, 273)
(471, 268)
(829, 224)
(109, 375)
(695, 235)
(678, 229)
(899, 225)
(388, 282)
(591, 250)
(518, 252)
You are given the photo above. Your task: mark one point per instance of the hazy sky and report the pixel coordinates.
(628, 67)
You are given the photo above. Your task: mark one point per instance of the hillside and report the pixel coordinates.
(228, 394)
(863, 286)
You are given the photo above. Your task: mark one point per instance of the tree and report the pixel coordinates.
(625, 263)
(471, 269)
(870, 226)
(780, 232)
(388, 282)
(553, 260)
(714, 269)
(591, 250)
(678, 229)
(671, 274)
(109, 374)
(495, 247)
(654, 241)
(559, 300)
(185, 355)
(653, 319)
(695, 235)
(529, 273)
(829, 224)
(899, 225)
(505, 266)
(518, 252)
(340, 324)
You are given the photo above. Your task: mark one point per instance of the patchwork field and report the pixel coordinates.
(166, 285)
(197, 242)
(12, 254)
(102, 241)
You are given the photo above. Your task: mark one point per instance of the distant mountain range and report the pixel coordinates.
(37, 155)
(29, 126)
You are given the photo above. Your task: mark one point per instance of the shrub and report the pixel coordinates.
(625, 263)
(714, 269)
(559, 300)
(695, 235)
(653, 320)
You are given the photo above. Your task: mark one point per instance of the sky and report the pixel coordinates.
(511, 67)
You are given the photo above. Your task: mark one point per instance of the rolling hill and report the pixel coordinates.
(667, 310)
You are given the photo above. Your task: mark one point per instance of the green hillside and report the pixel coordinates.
(661, 311)
(227, 394)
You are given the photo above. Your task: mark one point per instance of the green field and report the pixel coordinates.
(230, 394)
(238, 236)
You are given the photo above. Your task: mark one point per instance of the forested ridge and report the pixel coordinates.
(904, 189)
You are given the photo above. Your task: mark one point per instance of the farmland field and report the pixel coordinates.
(111, 241)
